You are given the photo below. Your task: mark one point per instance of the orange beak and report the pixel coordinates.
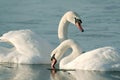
(53, 62)
(78, 24)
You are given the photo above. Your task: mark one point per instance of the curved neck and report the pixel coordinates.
(76, 51)
(63, 29)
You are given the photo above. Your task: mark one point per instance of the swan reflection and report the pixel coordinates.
(41, 72)
(85, 75)
(61, 75)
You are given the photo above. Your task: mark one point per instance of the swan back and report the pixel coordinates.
(28, 45)
(25, 41)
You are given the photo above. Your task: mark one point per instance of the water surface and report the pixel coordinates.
(42, 72)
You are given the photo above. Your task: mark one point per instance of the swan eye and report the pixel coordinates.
(78, 20)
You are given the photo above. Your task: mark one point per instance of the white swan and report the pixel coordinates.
(68, 17)
(101, 59)
(28, 48)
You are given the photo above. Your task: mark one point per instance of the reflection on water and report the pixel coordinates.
(24, 72)
(61, 75)
(85, 75)
(41, 72)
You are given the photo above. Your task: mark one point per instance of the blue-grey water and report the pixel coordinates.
(101, 22)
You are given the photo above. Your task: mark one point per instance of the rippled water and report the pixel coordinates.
(42, 72)
(101, 21)
(24, 72)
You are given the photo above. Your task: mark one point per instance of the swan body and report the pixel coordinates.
(101, 59)
(68, 17)
(28, 48)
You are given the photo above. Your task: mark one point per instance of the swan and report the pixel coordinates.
(100, 59)
(27, 48)
(68, 17)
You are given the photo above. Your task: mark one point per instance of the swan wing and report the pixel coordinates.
(106, 58)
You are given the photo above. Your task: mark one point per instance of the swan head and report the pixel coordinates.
(58, 52)
(74, 18)
(55, 57)
(53, 61)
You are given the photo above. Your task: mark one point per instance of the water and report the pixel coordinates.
(41, 72)
(101, 21)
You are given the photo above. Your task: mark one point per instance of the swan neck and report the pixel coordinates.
(63, 29)
(75, 53)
